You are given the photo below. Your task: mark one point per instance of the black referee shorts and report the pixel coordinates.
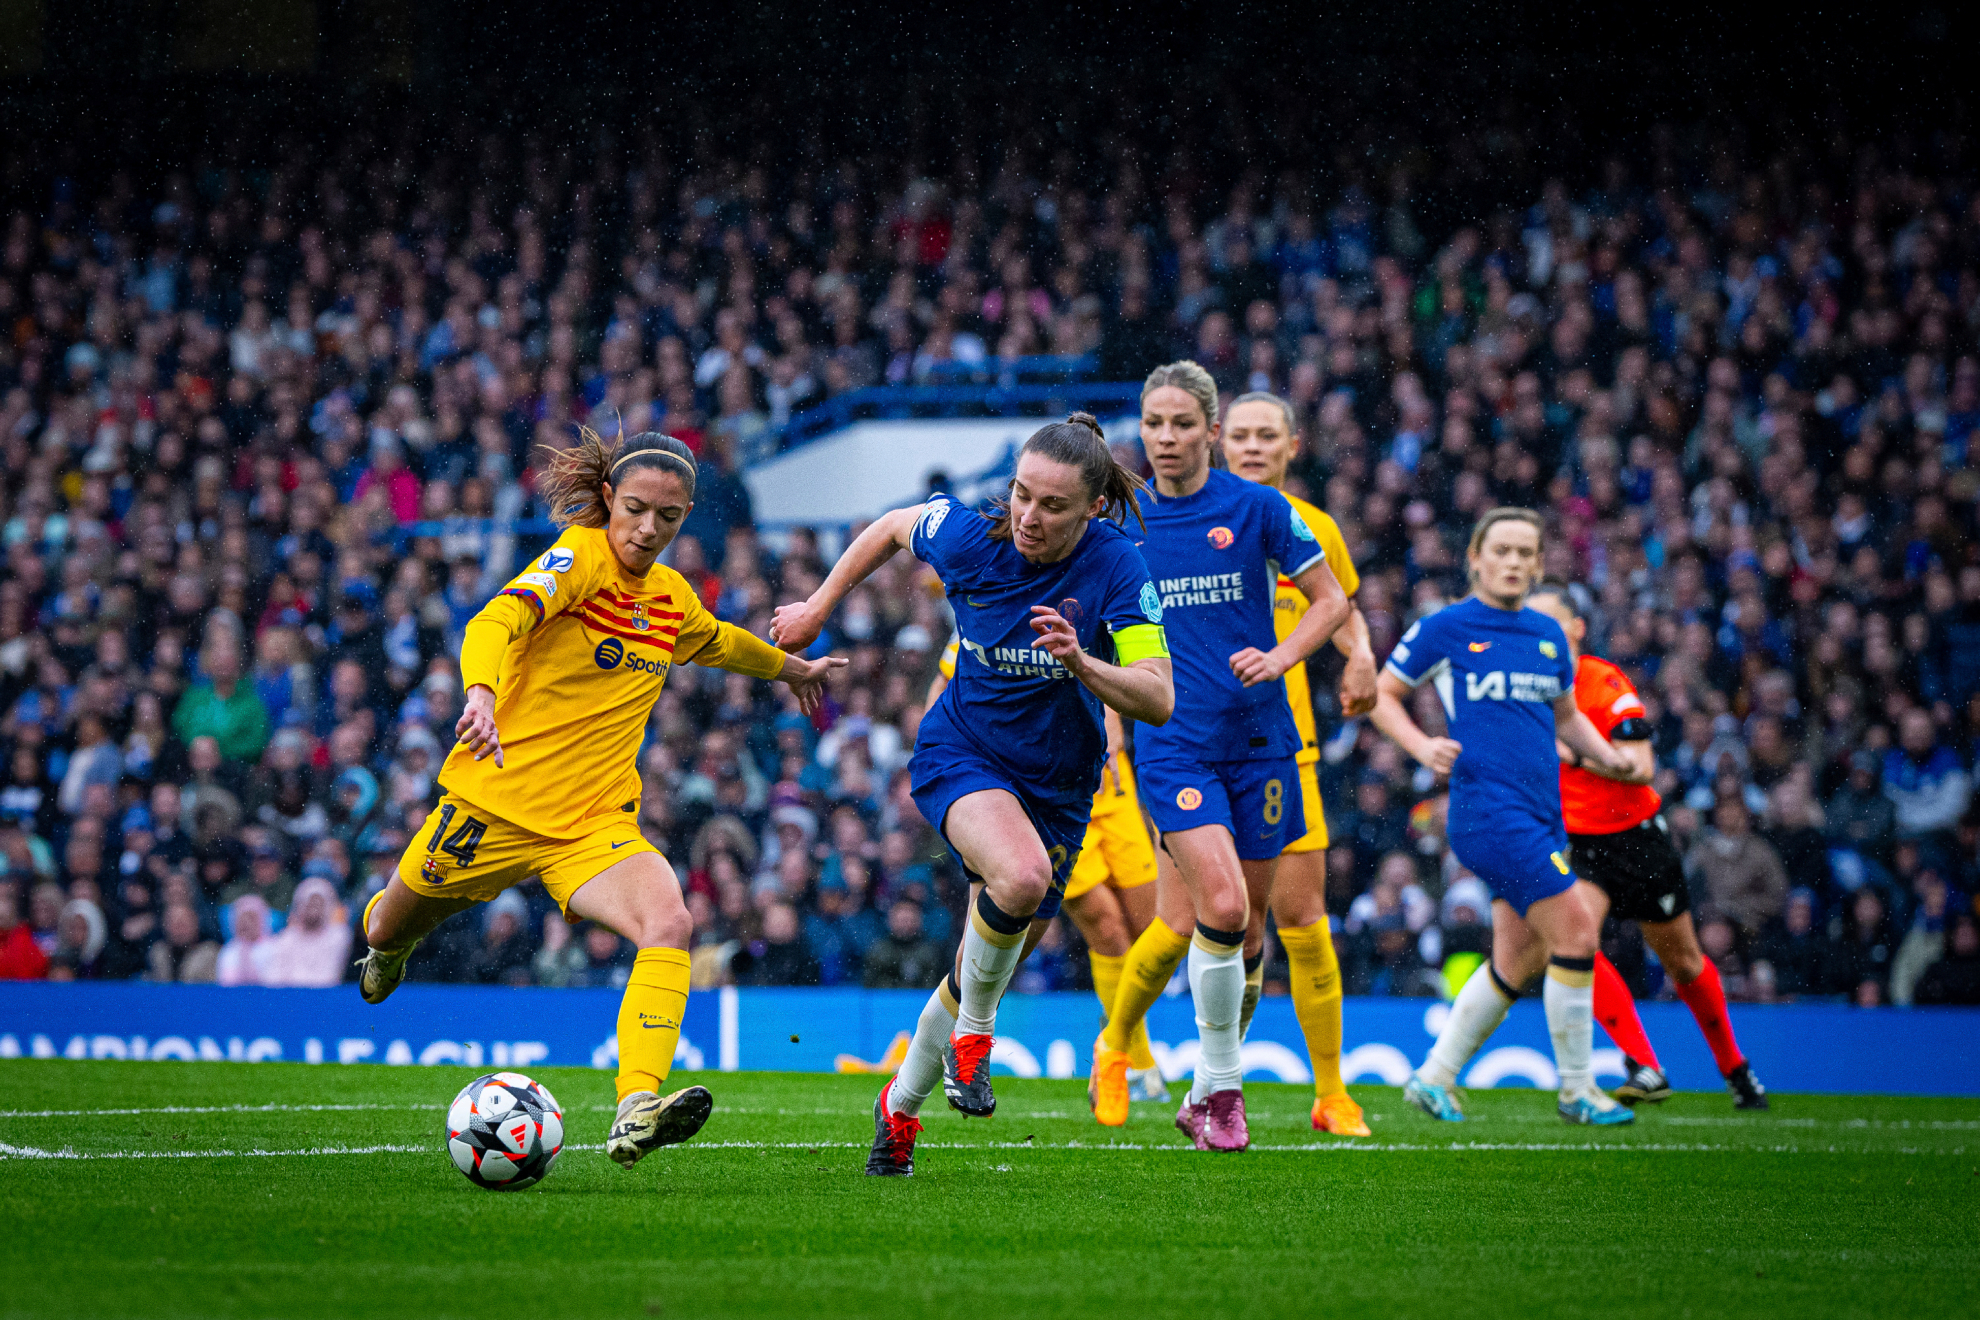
(1638, 868)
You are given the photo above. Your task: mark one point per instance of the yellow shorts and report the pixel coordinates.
(1315, 838)
(1116, 850)
(459, 854)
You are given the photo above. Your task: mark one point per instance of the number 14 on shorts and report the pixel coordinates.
(461, 843)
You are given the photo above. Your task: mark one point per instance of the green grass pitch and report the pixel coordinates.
(183, 1189)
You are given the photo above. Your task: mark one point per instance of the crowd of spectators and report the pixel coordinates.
(268, 435)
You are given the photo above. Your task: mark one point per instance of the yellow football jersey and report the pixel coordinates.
(1290, 604)
(577, 650)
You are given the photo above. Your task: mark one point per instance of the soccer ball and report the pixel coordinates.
(505, 1131)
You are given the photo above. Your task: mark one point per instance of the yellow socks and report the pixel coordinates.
(1106, 982)
(1144, 972)
(650, 1019)
(1316, 993)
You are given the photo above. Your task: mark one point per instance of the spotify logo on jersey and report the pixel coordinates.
(611, 654)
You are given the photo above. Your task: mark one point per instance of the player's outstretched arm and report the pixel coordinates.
(705, 640)
(1581, 737)
(807, 678)
(1392, 717)
(1144, 690)
(1327, 610)
(797, 625)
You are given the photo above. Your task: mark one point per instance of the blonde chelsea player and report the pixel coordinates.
(562, 669)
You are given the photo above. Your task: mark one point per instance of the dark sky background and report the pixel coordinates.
(76, 76)
(433, 41)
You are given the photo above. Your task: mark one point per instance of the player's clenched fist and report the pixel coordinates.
(1253, 666)
(1441, 754)
(796, 626)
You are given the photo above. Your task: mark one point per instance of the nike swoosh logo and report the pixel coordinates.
(654, 1026)
(620, 844)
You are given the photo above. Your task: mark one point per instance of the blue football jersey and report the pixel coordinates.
(1498, 673)
(1217, 556)
(1010, 701)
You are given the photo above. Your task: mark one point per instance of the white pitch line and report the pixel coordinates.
(1369, 1148)
(36, 1153)
(208, 1109)
(1846, 1124)
(66, 1153)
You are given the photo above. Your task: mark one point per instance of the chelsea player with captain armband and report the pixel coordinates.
(1505, 676)
(1057, 620)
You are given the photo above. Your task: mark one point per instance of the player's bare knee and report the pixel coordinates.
(1023, 887)
(1576, 941)
(664, 923)
(1225, 911)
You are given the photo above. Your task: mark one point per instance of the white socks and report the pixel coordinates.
(1216, 985)
(921, 1071)
(1570, 1000)
(990, 953)
(1477, 1012)
(989, 956)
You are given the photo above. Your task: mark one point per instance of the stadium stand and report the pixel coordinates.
(268, 430)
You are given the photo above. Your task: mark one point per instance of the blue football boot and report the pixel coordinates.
(1440, 1102)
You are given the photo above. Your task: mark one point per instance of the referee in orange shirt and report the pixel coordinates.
(1623, 853)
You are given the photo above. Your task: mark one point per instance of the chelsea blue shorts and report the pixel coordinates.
(941, 773)
(1520, 860)
(1259, 802)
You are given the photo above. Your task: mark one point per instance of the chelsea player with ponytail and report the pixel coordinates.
(1057, 619)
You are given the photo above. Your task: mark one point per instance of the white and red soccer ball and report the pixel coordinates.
(504, 1131)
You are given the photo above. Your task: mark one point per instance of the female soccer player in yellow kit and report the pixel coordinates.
(562, 669)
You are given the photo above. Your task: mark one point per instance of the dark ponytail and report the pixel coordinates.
(573, 482)
(1078, 442)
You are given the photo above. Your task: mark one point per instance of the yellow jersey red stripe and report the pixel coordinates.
(576, 682)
